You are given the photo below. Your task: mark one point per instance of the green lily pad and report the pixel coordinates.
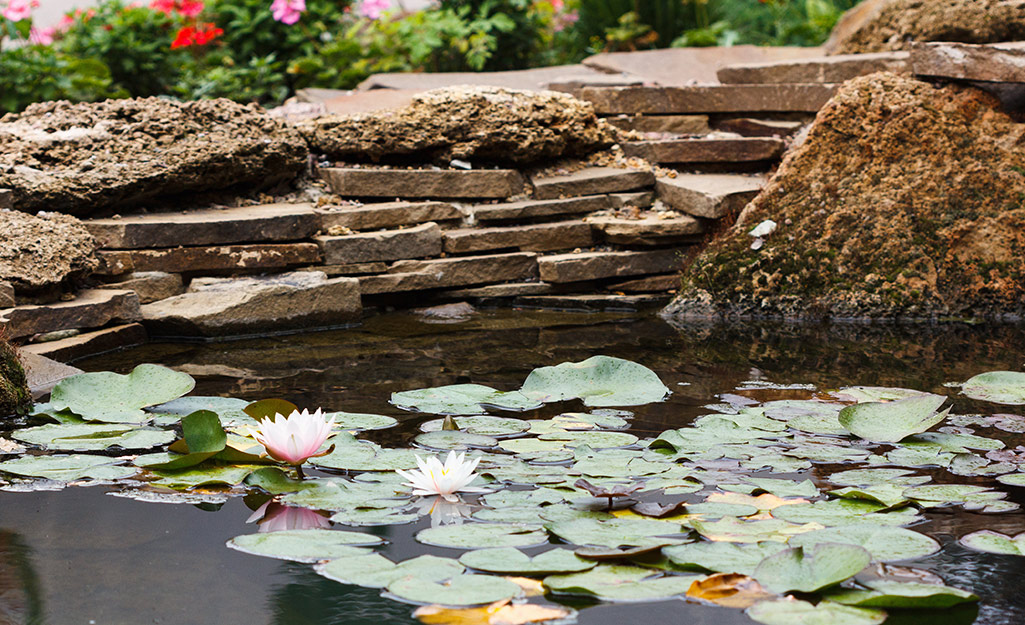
(618, 532)
(305, 545)
(537, 450)
(995, 542)
(374, 517)
(791, 611)
(482, 535)
(373, 570)
(115, 398)
(358, 421)
(67, 468)
(1017, 479)
(598, 381)
(454, 440)
(276, 482)
(871, 477)
(520, 498)
(884, 543)
(621, 583)
(784, 488)
(813, 568)
(890, 422)
(863, 394)
(204, 475)
(722, 557)
(462, 399)
(594, 440)
(716, 510)
(837, 512)
(619, 463)
(999, 387)
(972, 465)
(204, 438)
(737, 531)
(461, 590)
(484, 425)
(365, 456)
(882, 593)
(968, 495)
(229, 410)
(92, 437)
(510, 560)
(889, 495)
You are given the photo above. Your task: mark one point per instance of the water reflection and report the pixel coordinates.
(20, 600)
(276, 517)
(305, 598)
(444, 512)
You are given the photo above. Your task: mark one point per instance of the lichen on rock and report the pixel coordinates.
(906, 200)
(480, 123)
(44, 253)
(14, 393)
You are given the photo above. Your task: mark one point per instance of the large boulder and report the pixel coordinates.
(81, 158)
(14, 393)
(479, 123)
(880, 25)
(904, 201)
(41, 254)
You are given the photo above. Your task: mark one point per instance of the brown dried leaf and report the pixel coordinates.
(730, 590)
(499, 613)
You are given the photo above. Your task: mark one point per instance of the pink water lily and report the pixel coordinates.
(435, 478)
(296, 438)
(276, 517)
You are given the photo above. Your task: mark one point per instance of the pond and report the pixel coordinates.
(81, 556)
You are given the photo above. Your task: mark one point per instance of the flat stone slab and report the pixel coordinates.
(514, 289)
(962, 61)
(673, 124)
(222, 258)
(150, 286)
(413, 275)
(289, 302)
(665, 283)
(43, 373)
(90, 343)
(594, 303)
(244, 224)
(92, 308)
(515, 79)
(637, 199)
(560, 235)
(591, 181)
(741, 150)
(345, 102)
(753, 127)
(386, 215)
(423, 183)
(534, 209)
(351, 269)
(420, 241)
(708, 99)
(650, 229)
(708, 195)
(583, 266)
(824, 69)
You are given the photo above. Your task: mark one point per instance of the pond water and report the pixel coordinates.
(81, 556)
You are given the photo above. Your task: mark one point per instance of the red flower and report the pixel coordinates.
(186, 37)
(208, 34)
(164, 6)
(190, 8)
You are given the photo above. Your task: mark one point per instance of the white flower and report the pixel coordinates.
(763, 229)
(295, 438)
(434, 478)
(444, 512)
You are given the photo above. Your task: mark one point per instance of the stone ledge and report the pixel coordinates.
(808, 98)
(412, 275)
(584, 266)
(962, 61)
(90, 343)
(591, 181)
(423, 183)
(827, 69)
(739, 150)
(150, 286)
(199, 259)
(560, 235)
(651, 229)
(93, 308)
(709, 195)
(417, 242)
(531, 209)
(386, 215)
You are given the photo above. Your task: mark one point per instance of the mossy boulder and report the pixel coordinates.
(905, 200)
(14, 394)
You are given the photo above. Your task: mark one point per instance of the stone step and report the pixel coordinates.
(591, 181)
(752, 127)
(739, 150)
(649, 228)
(513, 289)
(594, 303)
(665, 283)
(709, 195)
(420, 241)
(962, 61)
(386, 215)
(423, 183)
(225, 258)
(92, 308)
(560, 235)
(537, 209)
(244, 224)
(150, 286)
(708, 99)
(637, 199)
(414, 275)
(289, 302)
(584, 266)
(90, 343)
(672, 124)
(826, 69)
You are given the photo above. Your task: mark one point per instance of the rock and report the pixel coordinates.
(446, 313)
(637, 199)
(6, 198)
(709, 195)
(733, 150)
(672, 124)
(581, 266)
(150, 286)
(531, 79)
(420, 275)
(223, 258)
(539, 209)
(826, 69)
(43, 373)
(962, 61)
(93, 308)
(749, 127)
(649, 229)
(244, 224)
(14, 392)
(80, 158)
(470, 123)
(45, 252)
(591, 181)
(423, 183)
(593, 303)
(386, 215)
(559, 235)
(6, 294)
(416, 242)
(288, 302)
(90, 343)
(879, 25)
(904, 201)
(650, 284)
(707, 99)
(351, 269)
(513, 289)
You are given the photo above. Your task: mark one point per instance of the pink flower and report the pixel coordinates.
(66, 22)
(17, 10)
(557, 4)
(287, 11)
(164, 6)
(42, 36)
(373, 9)
(275, 517)
(296, 438)
(191, 8)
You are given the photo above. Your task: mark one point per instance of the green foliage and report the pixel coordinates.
(14, 393)
(38, 73)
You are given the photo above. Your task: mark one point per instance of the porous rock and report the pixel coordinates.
(43, 252)
(81, 158)
(480, 123)
(904, 201)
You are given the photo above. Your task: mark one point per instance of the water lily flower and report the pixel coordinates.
(276, 517)
(434, 478)
(296, 438)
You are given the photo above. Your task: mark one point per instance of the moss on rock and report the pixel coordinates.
(14, 394)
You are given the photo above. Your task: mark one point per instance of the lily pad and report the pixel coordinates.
(373, 570)
(594, 440)
(485, 425)
(813, 568)
(999, 387)
(871, 477)
(365, 456)
(92, 437)
(204, 438)
(305, 545)
(115, 398)
(374, 517)
(882, 593)
(884, 543)
(204, 475)
(611, 582)
(890, 422)
(598, 381)
(995, 542)
(67, 468)
(737, 531)
(462, 399)
(461, 590)
(482, 535)
(837, 512)
(618, 532)
(510, 560)
(358, 421)
(863, 394)
(229, 410)
(722, 557)
(454, 440)
(970, 496)
(795, 612)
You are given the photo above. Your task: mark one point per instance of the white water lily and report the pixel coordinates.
(435, 478)
(444, 512)
(296, 438)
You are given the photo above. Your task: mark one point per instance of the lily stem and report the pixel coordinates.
(299, 470)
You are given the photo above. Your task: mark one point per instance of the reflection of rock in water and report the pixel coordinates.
(20, 603)
(307, 599)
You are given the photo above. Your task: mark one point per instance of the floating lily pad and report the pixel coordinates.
(618, 532)
(621, 583)
(92, 437)
(813, 568)
(204, 475)
(510, 560)
(358, 421)
(373, 517)
(863, 394)
(885, 544)
(461, 590)
(794, 612)
(67, 468)
(373, 570)
(789, 409)
(482, 535)
(519, 498)
(722, 557)
(229, 410)
(1017, 479)
(598, 381)
(737, 531)
(204, 438)
(305, 545)
(462, 399)
(784, 488)
(115, 398)
(882, 593)
(619, 463)
(995, 542)
(889, 422)
(277, 482)
(889, 495)
(970, 496)
(485, 425)
(594, 440)
(538, 450)
(837, 512)
(366, 457)
(999, 387)
(870, 477)
(454, 440)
